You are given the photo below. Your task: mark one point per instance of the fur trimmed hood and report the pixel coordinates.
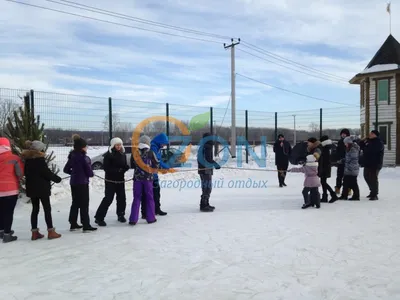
(326, 143)
(31, 154)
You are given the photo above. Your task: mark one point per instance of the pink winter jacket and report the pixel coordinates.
(310, 171)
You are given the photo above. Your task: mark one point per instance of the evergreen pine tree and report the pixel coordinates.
(23, 126)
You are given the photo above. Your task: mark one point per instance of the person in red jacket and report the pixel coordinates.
(11, 171)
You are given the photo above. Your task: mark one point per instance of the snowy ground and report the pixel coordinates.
(258, 244)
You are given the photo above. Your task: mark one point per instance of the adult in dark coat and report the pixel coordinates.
(206, 164)
(325, 168)
(340, 155)
(115, 167)
(38, 178)
(282, 150)
(314, 148)
(373, 152)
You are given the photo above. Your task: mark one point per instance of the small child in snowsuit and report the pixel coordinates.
(351, 170)
(143, 182)
(11, 171)
(311, 182)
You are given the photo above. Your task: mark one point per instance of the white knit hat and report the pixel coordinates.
(311, 158)
(116, 141)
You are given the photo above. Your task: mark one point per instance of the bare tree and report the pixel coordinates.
(314, 127)
(116, 122)
(7, 107)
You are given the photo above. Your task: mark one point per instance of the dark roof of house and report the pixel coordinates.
(389, 53)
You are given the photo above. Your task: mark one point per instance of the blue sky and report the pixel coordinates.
(49, 51)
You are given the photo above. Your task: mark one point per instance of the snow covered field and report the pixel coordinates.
(258, 244)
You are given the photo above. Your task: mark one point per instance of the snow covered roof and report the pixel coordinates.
(385, 60)
(381, 68)
(388, 53)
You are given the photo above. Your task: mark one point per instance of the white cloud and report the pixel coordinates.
(49, 51)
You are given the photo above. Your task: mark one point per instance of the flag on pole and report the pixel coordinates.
(388, 8)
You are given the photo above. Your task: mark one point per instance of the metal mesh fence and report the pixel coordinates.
(89, 116)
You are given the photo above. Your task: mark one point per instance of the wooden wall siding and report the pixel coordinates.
(367, 106)
(397, 119)
(386, 113)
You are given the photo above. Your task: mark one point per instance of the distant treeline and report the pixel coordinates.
(63, 137)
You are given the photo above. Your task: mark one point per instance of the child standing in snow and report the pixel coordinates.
(311, 182)
(351, 170)
(79, 167)
(11, 171)
(143, 183)
(38, 187)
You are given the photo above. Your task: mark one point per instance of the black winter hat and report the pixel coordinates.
(312, 140)
(79, 143)
(345, 131)
(280, 136)
(376, 132)
(324, 138)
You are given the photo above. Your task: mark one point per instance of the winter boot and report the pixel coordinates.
(36, 235)
(75, 227)
(324, 198)
(121, 219)
(101, 223)
(354, 198)
(151, 222)
(52, 234)
(373, 198)
(337, 190)
(334, 198)
(8, 238)
(89, 229)
(306, 205)
(159, 212)
(132, 223)
(2, 233)
(210, 206)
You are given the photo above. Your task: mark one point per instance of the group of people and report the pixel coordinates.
(350, 154)
(33, 168)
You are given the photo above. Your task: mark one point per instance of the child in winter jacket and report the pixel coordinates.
(38, 187)
(79, 167)
(115, 167)
(11, 171)
(311, 182)
(351, 169)
(143, 182)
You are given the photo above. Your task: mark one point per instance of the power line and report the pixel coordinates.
(292, 92)
(114, 23)
(135, 19)
(312, 75)
(286, 60)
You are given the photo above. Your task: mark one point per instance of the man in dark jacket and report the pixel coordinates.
(115, 167)
(206, 164)
(325, 168)
(340, 155)
(282, 150)
(373, 152)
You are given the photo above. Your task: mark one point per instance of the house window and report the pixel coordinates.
(383, 130)
(383, 90)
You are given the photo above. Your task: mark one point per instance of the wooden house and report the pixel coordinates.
(380, 98)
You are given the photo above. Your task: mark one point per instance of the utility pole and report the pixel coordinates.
(233, 95)
(294, 130)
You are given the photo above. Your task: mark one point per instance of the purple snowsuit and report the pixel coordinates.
(143, 184)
